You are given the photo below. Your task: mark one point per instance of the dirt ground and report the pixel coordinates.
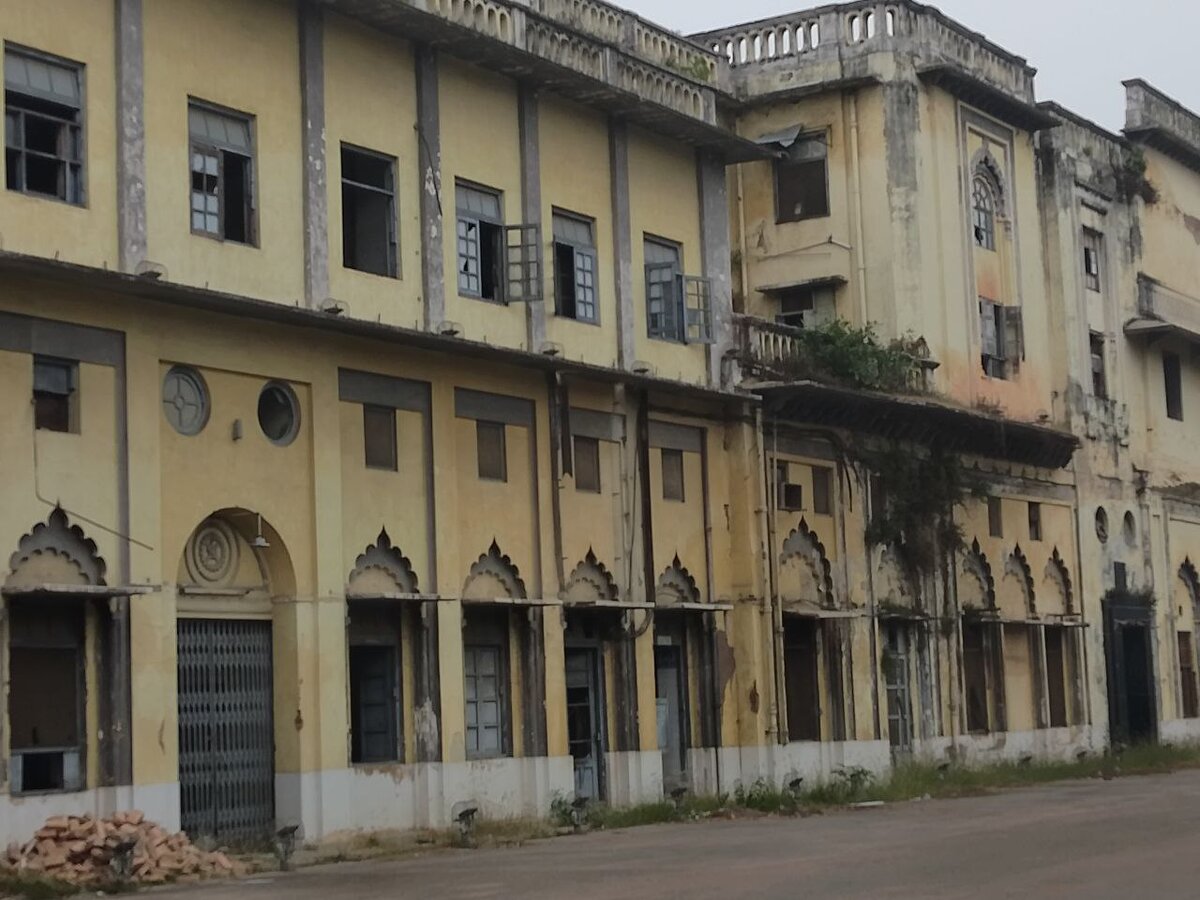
(1130, 837)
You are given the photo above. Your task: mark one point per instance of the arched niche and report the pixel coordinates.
(1015, 598)
(976, 587)
(676, 585)
(236, 553)
(55, 553)
(590, 582)
(381, 569)
(804, 570)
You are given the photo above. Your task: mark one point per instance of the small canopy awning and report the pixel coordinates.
(97, 591)
(919, 419)
(701, 607)
(392, 597)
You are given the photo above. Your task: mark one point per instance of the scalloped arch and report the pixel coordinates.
(1017, 566)
(676, 585)
(1059, 575)
(55, 551)
(494, 576)
(381, 567)
(975, 564)
(590, 580)
(803, 545)
(985, 164)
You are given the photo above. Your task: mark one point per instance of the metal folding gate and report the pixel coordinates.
(226, 730)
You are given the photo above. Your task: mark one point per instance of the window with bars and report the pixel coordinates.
(369, 211)
(222, 173)
(43, 126)
(575, 267)
(55, 400)
(983, 211)
(802, 181)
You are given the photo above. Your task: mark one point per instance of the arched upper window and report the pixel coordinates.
(983, 211)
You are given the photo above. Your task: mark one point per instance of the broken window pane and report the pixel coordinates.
(802, 182)
(587, 464)
(379, 437)
(54, 384)
(222, 202)
(983, 211)
(490, 446)
(480, 248)
(672, 475)
(43, 122)
(368, 212)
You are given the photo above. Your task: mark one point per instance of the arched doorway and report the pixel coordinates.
(232, 568)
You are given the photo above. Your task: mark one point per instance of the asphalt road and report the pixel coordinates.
(1136, 837)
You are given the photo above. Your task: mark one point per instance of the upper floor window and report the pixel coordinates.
(368, 211)
(672, 475)
(55, 386)
(1173, 385)
(480, 241)
(1001, 338)
(222, 151)
(379, 437)
(490, 451)
(808, 305)
(678, 307)
(802, 180)
(1091, 259)
(575, 267)
(43, 125)
(1099, 369)
(983, 211)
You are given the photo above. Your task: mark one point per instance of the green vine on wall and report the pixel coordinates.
(1130, 177)
(697, 68)
(919, 494)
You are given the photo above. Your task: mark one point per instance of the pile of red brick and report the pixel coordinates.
(80, 850)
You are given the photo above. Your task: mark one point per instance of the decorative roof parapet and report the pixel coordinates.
(834, 43)
(1154, 118)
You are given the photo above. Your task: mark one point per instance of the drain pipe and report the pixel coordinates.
(772, 601)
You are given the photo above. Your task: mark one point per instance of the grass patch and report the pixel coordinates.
(34, 887)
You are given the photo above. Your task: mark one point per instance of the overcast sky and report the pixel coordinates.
(1082, 49)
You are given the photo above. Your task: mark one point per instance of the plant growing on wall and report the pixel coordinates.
(918, 495)
(1130, 177)
(696, 68)
(1129, 596)
(840, 353)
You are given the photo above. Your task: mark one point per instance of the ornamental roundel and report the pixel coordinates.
(212, 554)
(185, 400)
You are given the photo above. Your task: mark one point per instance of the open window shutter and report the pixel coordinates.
(522, 263)
(989, 340)
(1014, 337)
(697, 303)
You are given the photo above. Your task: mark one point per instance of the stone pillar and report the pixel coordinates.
(429, 155)
(618, 143)
(531, 206)
(715, 258)
(131, 136)
(316, 194)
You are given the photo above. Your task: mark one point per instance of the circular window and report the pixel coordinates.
(185, 400)
(278, 413)
(1129, 529)
(1102, 524)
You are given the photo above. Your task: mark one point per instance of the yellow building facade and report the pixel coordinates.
(409, 405)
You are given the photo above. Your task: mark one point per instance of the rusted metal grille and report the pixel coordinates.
(226, 735)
